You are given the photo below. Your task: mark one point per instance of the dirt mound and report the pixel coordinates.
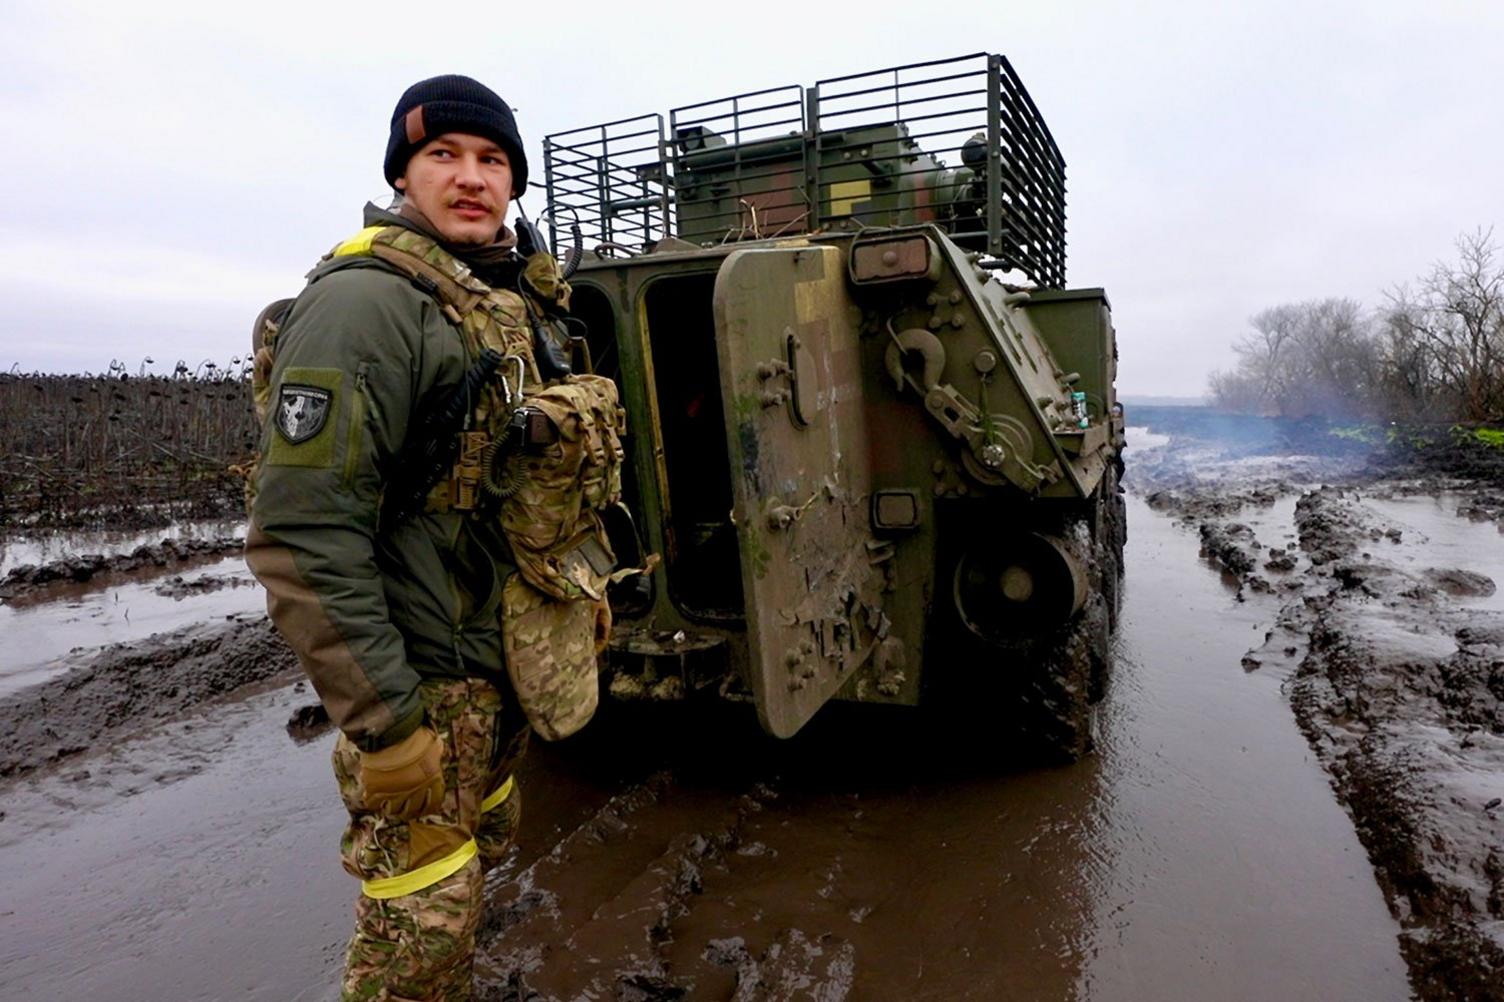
(31, 581)
(179, 587)
(130, 687)
(1453, 453)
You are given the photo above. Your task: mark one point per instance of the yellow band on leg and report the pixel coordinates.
(414, 881)
(497, 797)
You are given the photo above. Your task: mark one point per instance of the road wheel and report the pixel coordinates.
(1066, 676)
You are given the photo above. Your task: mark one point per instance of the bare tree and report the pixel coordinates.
(1410, 386)
(1452, 332)
(1299, 359)
(1436, 353)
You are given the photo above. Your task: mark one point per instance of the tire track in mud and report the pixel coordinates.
(1400, 694)
(601, 915)
(714, 863)
(1398, 687)
(628, 903)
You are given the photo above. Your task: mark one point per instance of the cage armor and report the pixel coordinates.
(544, 485)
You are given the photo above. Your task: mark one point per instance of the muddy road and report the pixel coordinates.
(165, 836)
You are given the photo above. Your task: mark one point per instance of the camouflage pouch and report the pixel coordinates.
(564, 558)
(550, 655)
(550, 517)
(542, 273)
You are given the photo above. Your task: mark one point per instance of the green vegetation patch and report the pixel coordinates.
(1368, 434)
(1372, 434)
(1489, 437)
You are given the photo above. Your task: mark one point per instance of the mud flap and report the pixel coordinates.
(811, 573)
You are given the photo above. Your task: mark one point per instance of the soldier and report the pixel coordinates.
(397, 624)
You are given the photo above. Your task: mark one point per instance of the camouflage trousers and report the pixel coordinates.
(416, 920)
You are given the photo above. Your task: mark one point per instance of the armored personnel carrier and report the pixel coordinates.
(873, 435)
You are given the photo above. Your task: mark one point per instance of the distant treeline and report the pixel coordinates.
(123, 449)
(1431, 353)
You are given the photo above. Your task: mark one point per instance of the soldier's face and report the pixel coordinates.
(463, 184)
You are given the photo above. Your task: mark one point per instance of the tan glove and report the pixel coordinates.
(406, 780)
(602, 626)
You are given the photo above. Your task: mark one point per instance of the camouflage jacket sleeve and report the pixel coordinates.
(347, 373)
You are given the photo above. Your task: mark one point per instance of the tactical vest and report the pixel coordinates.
(486, 318)
(546, 497)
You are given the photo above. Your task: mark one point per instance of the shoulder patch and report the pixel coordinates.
(302, 412)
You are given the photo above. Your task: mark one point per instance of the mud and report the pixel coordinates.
(129, 688)
(1400, 693)
(309, 722)
(37, 582)
(180, 587)
(46, 637)
(1391, 640)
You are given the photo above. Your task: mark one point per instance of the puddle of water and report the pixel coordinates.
(1274, 525)
(1436, 536)
(152, 884)
(948, 880)
(38, 637)
(200, 862)
(1226, 870)
(42, 547)
(1141, 439)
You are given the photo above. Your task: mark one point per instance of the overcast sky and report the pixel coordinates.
(172, 168)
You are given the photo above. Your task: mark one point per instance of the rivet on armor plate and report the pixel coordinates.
(984, 362)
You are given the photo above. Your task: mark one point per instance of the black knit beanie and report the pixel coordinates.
(452, 103)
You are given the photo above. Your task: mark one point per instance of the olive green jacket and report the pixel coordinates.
(369, 612)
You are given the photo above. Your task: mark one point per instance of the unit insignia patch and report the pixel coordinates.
(301, 412)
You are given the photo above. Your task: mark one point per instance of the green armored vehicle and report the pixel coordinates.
(873, 436)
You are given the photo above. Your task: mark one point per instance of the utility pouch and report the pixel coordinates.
(567, 451)
(550, 655)
(557, 485)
